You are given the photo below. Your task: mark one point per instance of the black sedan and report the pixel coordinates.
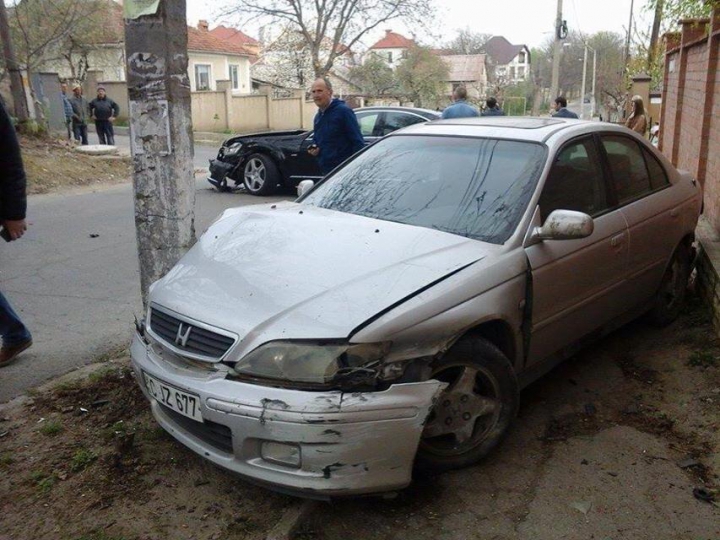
(264, 161)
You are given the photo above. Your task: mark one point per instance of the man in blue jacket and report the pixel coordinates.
(460, 108)
(561, 110)
(337, 133)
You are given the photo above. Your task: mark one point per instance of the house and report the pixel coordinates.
(237, 37)
(507, 63)
(466, 70)
(212, 59)
(392, 48)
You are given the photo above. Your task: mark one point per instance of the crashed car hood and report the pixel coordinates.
(269, 136)
(293, 271)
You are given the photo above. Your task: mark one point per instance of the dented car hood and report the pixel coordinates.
(293, 271)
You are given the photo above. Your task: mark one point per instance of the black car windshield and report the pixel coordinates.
(478, 188)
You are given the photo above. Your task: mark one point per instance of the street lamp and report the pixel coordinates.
(584, 76)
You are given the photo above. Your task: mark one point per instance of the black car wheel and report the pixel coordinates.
(671, 294)
(260, 175)
(474, 412)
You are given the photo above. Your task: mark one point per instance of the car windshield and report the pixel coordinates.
(478, 188)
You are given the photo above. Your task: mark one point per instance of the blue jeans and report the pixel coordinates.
(12, 330)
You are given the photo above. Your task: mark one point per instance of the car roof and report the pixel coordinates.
(524, 128)
(416, 110)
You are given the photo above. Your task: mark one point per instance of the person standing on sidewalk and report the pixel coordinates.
(460, 107)
(67, 108)
(80, 114)
(13, 204)
(104, 110)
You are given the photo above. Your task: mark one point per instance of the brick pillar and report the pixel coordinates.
(225, 86)
(713, 42)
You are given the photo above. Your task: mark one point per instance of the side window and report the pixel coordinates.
(627, 165)
(367, 124)
(575, 181)
(397, 120)
(658, 176)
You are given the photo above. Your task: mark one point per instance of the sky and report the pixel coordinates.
(528, 22)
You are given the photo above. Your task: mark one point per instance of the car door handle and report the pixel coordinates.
(617, 240)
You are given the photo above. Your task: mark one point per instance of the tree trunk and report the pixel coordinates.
(161, 138)
(16, 82)
(652, 49)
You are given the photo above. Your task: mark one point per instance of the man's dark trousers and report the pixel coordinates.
(80, 132)
(105, 131)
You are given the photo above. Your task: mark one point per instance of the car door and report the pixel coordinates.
(576, 284)
(651, 209)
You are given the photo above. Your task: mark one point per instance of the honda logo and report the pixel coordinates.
(182, 335)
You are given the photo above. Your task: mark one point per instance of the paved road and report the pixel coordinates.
(203, 152)
(78, 292)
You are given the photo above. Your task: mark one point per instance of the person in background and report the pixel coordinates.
(67, 108)
(637, 121)
(460, 108)
(561, 110)
(13, 205)
(337, 133)
(79, 115)
(492, 108)
(104, 110)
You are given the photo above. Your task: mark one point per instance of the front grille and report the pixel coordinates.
(216, 435)
(199, 340)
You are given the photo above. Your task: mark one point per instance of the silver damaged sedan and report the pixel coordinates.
(391, 315)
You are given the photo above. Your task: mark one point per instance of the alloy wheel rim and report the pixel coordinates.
(465, 413)
(255, 173)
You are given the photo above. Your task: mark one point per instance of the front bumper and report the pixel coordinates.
(219, 173)
(350, 443)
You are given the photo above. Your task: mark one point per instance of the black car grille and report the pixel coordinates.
(199, 341)
(216, 435)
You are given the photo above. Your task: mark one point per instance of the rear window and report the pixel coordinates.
(478, 188)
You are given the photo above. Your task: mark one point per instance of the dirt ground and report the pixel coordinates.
(51, 164)
(610, 445)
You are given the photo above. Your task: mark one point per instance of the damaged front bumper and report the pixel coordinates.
(219, 173)
(315, 444)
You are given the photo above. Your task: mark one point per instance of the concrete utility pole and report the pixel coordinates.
(557, 51)
(160, 134)
(16, 82)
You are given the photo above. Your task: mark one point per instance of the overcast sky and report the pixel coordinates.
(527, 22)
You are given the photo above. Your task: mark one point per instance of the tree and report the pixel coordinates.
(333, 25)
(375, 77)
(48, 31)
(422, 77)
(286, 61)
(674, 10)
(468, 42)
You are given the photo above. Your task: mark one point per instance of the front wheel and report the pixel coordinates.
(474, 412)
(260, 175)
(670, 296)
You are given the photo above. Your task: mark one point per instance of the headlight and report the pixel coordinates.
(315, 363)
(233, 149)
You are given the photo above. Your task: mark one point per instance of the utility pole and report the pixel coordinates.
(582, 86)
(160, 134)
(627, 41)
(652, 49)
(16, 82)
(557, 50)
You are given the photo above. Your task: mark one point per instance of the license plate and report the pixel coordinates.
(177, 400)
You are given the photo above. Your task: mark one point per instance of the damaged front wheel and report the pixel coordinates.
(474, 412)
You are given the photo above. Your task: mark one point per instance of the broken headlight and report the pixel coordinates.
(314, 363)
(232, 149)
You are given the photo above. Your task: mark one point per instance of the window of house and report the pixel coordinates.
(575, 181)
(521, 58)
(234, 77)
(389, 56)
(512, 72)
(521, 72)
(202, 77)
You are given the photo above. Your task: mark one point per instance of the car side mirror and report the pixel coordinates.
(565, 225)
(304, 186)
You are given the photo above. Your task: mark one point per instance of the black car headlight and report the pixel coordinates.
(312, 362)
(232, 149)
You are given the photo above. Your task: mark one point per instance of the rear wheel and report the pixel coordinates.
(260, 175)
(474, 412)
(670, 296)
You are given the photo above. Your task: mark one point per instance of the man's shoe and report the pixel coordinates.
(9, 354)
